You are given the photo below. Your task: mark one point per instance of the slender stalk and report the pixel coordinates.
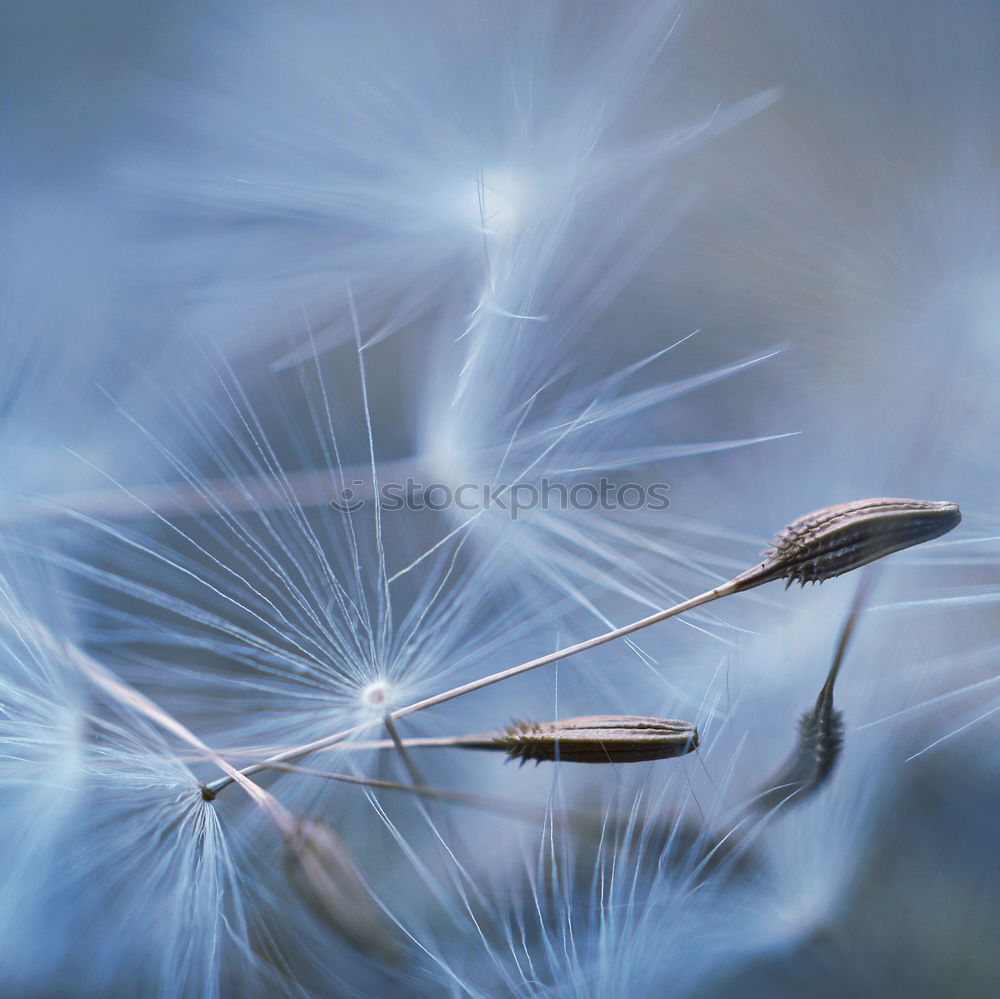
(485, 741)
(105, 679)
(416, 776)
(591, 643)
(860, 599)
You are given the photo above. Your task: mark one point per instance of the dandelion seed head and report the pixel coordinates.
(103, 822)
(428, 154)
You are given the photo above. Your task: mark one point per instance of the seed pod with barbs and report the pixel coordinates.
(596, 739)
(817, 749)
(840, 538)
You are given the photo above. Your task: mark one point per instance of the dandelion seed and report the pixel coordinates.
(819, 546)
(103, 827)
(586, 739)
(318, 864)
(837, 539)
(598, 739)
(821, 731)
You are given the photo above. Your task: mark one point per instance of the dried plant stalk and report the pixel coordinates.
(322, 871)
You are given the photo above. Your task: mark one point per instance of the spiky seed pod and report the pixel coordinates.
(817, 749)
(599, 739)
(322, 871)
(821, 738)
(837, 539)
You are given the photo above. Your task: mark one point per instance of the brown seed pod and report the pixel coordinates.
(321, 869)
(598, 739)
(840, 538)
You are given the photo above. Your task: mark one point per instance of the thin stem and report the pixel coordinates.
(860, 598)
(429, 742)
(413, 742)
(742, 582)
(416, 777)
(591, 643)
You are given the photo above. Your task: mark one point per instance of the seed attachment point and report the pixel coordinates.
(378, 696)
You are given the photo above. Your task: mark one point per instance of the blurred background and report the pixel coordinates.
(826, 194)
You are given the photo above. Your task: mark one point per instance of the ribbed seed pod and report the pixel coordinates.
(840, 538)
(598, 739)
